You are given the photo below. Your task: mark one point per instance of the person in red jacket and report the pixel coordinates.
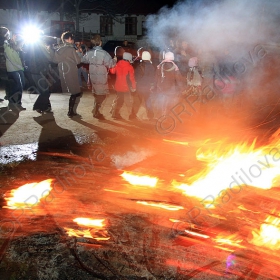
(125, 83)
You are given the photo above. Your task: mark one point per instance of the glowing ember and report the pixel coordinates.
(140, 180)
(95, 223)
(87, 233)
(114, 191)
(269, 234)
(95, 229)
(231, 240)
(233, 167)
(193, 233)
(78, 233)
(29, 195)
(166, 206)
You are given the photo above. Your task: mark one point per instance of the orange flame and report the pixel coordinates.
(228, 166)
(231, 240)
(269, 234)
(28, 195)
(140, 180)
(94, 223)
(78, 233)
(96, 229)
(165, 206)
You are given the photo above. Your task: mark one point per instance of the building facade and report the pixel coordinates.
(129, 27)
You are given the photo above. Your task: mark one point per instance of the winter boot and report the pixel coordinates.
(77, 101)
(98, 103)
(97, 113)
(72, 101)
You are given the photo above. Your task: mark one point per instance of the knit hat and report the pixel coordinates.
(127, 56)
(169, 56)
(146, 56)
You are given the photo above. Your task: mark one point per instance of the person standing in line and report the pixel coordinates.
(99, 62)
(37, 59)
(125, 83)
(67, 58)
(169, 84)
(15, 69)
(145, 78)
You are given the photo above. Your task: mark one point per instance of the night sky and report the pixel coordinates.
(136, 6)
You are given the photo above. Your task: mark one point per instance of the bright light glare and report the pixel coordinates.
(31, 34)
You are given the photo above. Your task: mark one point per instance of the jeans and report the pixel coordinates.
(16, 95)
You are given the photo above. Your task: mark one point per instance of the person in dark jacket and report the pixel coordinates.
(37, 59)
(169, 84)
(145, 78)
(68, 59)
(99, 62)
(125, 83)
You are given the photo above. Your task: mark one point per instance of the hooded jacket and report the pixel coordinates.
(125, 79)
(13, 61)
(67, 59)
(99, 62)
(168, 78)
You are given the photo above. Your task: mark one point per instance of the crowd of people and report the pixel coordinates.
(156, 82)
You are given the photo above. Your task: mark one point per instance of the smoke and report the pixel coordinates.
(246, 29)
(131, 157)
(216, 25)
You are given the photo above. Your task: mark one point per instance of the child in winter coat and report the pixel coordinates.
(125, 83)
(194, 76)
(145, 78)
(99, 62)
(169, 84)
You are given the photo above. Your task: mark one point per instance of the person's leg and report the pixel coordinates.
(77, 101)
(42, 104)
(98, 103)
(16, 93)
(72, 101)
(136, 103)
(117, 105)
(148, 101)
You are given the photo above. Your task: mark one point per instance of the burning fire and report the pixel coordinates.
(95, 229)
(231, 240)
(165, 206)
(95, 223)
(140, 180)
(29, 195)
(269, 234)
(233, 167)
